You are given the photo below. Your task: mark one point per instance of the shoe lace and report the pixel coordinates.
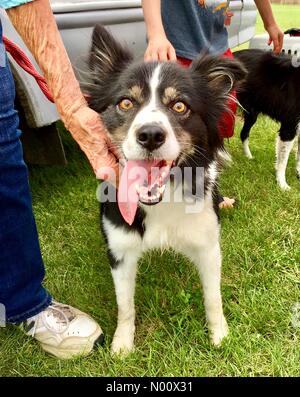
(61, 313)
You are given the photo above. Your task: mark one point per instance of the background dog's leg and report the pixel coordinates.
(249, 120)
(284, 146)
(208, 262)
(298, 154)
(124, 279)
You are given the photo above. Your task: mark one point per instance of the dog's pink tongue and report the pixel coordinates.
(127, 196)
(134, 173)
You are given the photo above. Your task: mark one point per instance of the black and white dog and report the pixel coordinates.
(162, 115)
(272, 87)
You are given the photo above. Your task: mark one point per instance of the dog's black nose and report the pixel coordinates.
(151, 137)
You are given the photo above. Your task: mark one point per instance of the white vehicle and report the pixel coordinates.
(75, 20)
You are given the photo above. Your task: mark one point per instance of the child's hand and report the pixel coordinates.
(276, 37)
(160, 49)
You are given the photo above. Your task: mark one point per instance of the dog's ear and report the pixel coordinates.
(108, 58)
(221, 74)
(107, 55)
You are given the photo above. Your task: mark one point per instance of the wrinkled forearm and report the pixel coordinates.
(36, 25)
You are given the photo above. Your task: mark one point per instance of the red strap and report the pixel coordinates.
(22, 60)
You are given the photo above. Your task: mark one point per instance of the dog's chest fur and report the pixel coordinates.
(173, 225)
(169, 225)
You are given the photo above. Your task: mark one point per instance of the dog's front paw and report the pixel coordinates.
(284, 186)
(121, 346)
(218, 333)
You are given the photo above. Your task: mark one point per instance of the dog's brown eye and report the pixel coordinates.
(125, 104)
(179, 107)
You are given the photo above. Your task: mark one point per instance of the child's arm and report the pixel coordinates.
(159, 48)
(276, 35)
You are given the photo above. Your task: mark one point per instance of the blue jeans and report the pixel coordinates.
(21, 264)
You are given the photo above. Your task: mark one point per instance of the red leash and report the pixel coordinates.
(22, 60)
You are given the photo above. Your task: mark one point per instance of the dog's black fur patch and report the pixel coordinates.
(272, 87)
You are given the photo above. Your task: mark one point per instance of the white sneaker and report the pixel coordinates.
(64, 331)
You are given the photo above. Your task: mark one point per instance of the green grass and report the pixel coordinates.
(261, 276)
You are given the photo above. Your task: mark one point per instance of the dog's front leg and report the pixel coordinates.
(208, 262)
(124, 274)
(284, 146)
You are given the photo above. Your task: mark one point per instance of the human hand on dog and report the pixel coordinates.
(276, 37)
(87, 129)
(160, 49)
